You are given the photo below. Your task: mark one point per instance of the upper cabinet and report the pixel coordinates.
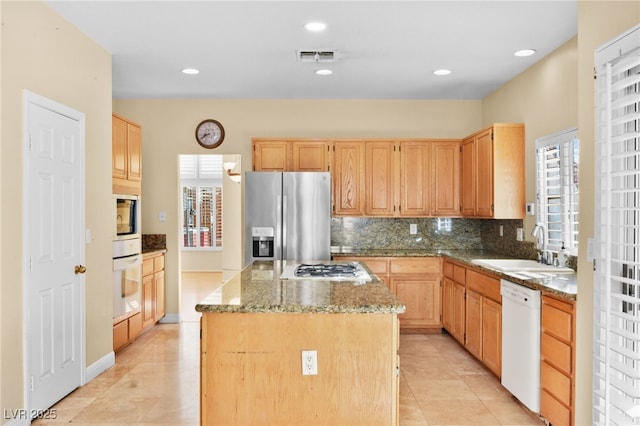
(492, 175)
(445, 178)
(126, 163)
(348, 178)
(291, 155)
(381, 178)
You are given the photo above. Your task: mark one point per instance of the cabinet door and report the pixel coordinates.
(148, 304)
(134, 153)
(271, 155)
(492, 335)
(310, 156)
(448, 305)
(159, 292)
(380, 178)
(348, 178)
(473, 337)
(445, 178)
(484, 174)
(467, 176)
(119, 161)
(422, 299)
(459, 314)
(414, 178)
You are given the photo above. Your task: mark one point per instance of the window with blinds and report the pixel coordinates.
(557, 164)
(616, 370)
(201, 179)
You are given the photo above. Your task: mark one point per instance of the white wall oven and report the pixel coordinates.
(127, 278)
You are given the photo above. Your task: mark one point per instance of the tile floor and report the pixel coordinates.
(155, 382)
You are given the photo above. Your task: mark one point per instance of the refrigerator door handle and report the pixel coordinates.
(283, 223)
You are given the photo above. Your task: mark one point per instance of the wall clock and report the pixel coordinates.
(209, 133)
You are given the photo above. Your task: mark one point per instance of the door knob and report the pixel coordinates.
(79, 269)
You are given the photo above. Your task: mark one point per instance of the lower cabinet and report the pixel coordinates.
(125, 331)
(153, 289)
(557, 361)
(415, 281)
(472, 312)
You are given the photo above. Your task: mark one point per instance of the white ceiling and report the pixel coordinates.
(386, 49)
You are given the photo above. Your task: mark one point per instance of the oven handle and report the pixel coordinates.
(122, 263)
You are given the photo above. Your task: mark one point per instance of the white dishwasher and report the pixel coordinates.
(521, 343)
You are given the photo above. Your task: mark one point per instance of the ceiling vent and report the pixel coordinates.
(317, 55)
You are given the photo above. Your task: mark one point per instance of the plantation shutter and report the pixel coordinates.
(558, 191)
(616, 370)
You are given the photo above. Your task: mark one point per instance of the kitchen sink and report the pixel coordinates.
(515, 265)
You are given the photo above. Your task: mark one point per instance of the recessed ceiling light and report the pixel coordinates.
(315, 26)
(524, 52)
(190, 71)
(442, 72)
(324, 72)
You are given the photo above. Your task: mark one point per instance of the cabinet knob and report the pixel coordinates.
(80, 269)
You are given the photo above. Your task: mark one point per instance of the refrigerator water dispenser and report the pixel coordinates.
(262, 241)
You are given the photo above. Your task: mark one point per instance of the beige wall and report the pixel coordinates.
(44, 54)
(168, 130)
(598, 22)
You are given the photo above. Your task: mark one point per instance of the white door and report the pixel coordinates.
(54, 246)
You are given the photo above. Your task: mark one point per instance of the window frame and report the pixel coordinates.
(200, 174)
(563, 195)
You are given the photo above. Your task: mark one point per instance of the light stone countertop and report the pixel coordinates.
(258, 288)
(561, 285)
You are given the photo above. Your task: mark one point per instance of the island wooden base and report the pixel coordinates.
(251, 369)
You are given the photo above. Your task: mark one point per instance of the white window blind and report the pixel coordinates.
(557, 162)
(201, 179)
(616, 369)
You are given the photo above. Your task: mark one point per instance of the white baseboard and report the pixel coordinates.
(18, 422)
(170, 319)
(98, 367)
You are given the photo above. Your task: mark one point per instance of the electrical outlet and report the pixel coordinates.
(501, 231)
(309, 363)
(413, 228)
(162, 216)
(519, 234)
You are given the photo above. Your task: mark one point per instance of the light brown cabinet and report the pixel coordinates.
(445, 178)
(472, 312)
(291, 155)
(126, 331)
(153, 289)
(348, 178)
(484, 319)
(492, 175)
(415, 179)
(453, 300)
(126, 160)
(415, 281)
(381, 178)
(557, 361)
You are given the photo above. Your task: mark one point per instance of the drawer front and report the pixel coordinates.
(378, 265)
(557, 322)
(120, 334)
(483, 284)
(147, 266)
(158, 263)
(556, 352)
(447, 269)
(556, 383)
(459, 274)
(553, 411)
(416, 265)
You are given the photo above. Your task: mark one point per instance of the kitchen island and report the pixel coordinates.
(254, 329)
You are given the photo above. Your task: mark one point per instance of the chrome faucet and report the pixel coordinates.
(541, 238)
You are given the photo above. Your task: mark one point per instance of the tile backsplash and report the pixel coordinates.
(393, 233)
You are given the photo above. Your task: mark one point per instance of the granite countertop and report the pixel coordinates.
(152, 251)
(562, 285)
(258, 288)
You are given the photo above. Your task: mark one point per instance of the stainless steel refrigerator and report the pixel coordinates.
(287, 216)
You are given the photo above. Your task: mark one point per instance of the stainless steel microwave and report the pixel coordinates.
(127, 217)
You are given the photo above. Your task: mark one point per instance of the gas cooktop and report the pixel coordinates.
(350, 271)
